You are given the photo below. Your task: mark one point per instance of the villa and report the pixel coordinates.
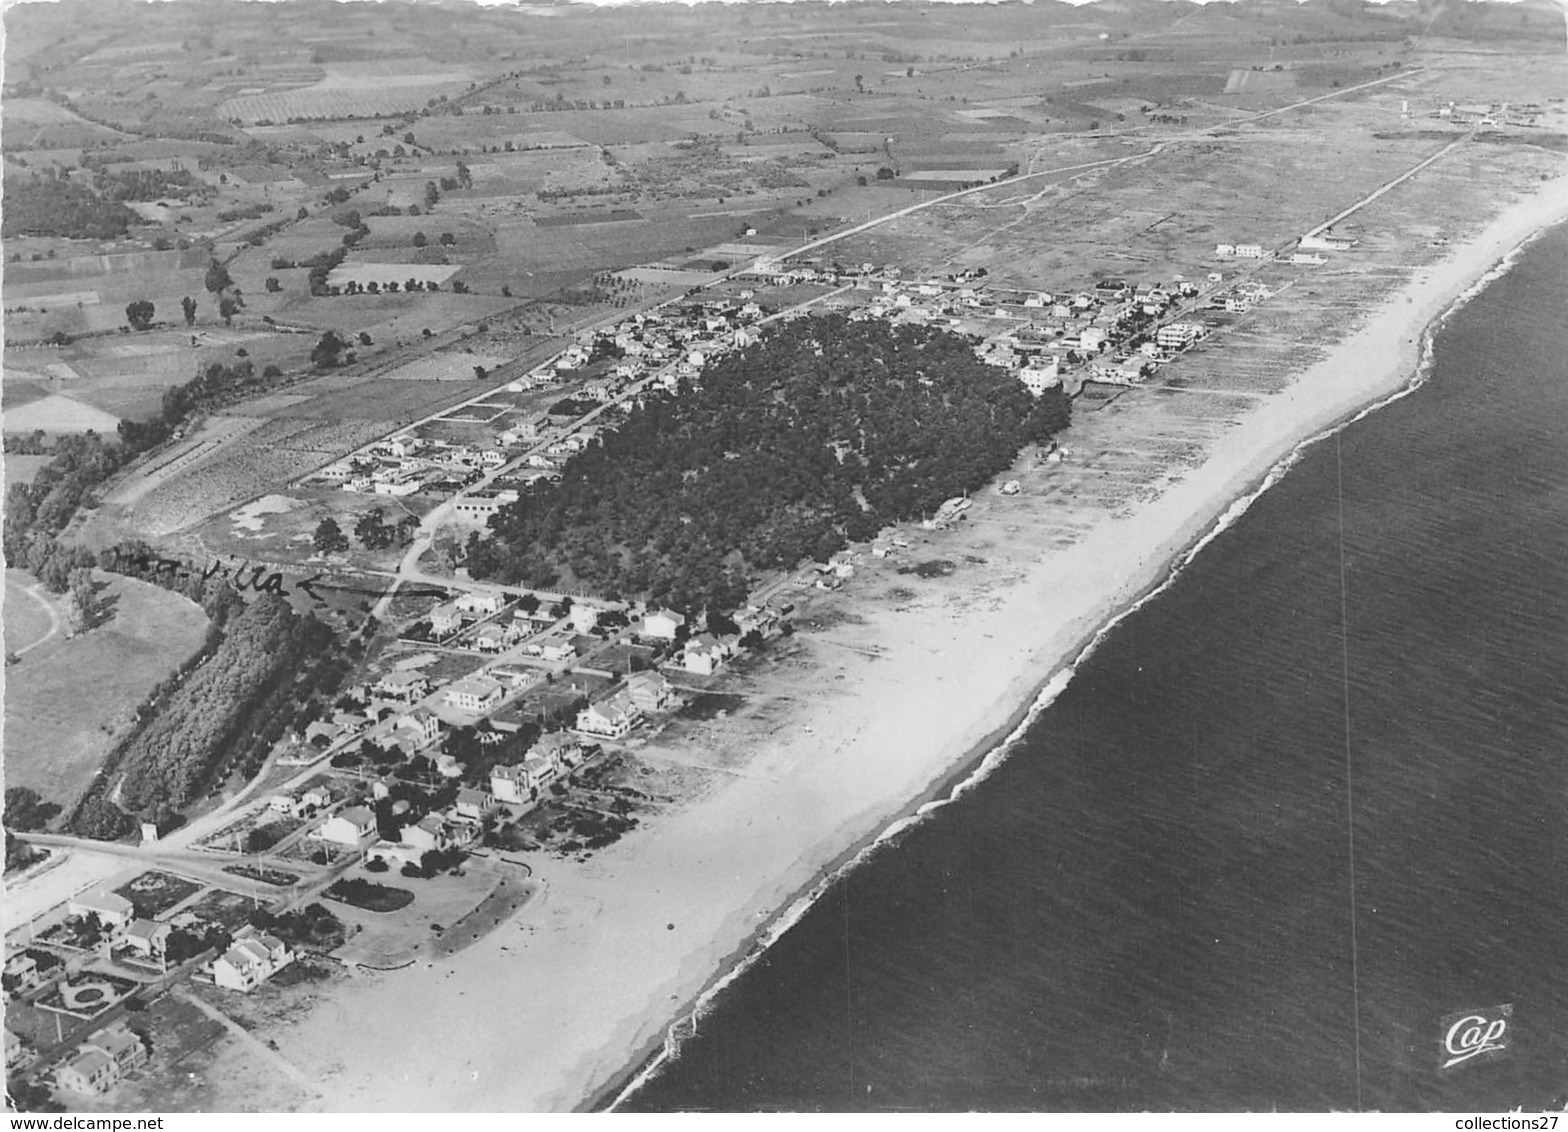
(251, 962)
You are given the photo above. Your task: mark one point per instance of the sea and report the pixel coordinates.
(1293, 837)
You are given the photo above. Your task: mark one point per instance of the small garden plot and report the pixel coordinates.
(231, 910)
(309, 850)
(87, 995)
(275, 877)
(155, 893)
(74, 933)
(367, 894)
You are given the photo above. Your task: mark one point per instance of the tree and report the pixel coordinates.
(325, 353)
(217, 278)
(273, 284)
(26, 811)
(227, 307)
(139, 314)
(432, 195)
(447, 239)
(87, 608)
(885, 174)
(329, 537)
(420, 239)
(188, 305)
(459, 287)
(372, 531)
(465, 177)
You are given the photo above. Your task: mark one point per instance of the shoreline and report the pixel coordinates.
(997, 746)
(568, 1005)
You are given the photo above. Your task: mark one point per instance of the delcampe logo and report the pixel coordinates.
(1476, 1035)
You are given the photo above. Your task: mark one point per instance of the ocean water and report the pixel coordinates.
(1166, 897)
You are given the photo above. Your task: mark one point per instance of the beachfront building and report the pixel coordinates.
(649, 691)
(511, 784)
(1179, 335)
(251, 962)
(1323, 242)
(704, 654)
(475, 693)
(610, 718)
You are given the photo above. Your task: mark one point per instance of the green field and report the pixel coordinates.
(67, 700)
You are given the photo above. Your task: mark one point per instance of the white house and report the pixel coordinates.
(649, 691)
(147, 938)
(251, 962)
(1249, 251)
(663, 624)
(351, 827)
(113, 910)
(480, 604)
(1179, 335)
(704, 654)
(422, 725)
(445, 619)
(510, 784)
(610, 718)
(583, 618)
(405, 686)
(1038, 378)
(475, 693)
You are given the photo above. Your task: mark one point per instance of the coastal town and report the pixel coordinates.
(427, 766)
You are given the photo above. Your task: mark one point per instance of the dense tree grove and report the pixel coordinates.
(226, 708)
(51, 204)
(821, 433)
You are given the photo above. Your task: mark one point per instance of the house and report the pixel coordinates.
(663, 624)
(445, 619)
(511, 784)
(561, 748)
(316, 796)
(1179, 335)
(584, 618)
(1326, 243)
(22, 971)
(253, 961)
(90, 1072)
(705, 653)
(474, 804)
(119, 1045)
(435, 833)
(610, 718)
(148, 938)
(113, 910)
(475, 693)
(406, 686)
(1038, 378)
(1224, 250)
(422, 725)
(557, 649)
(649, 691)
(515, 676)
(480, 604)
(350, 827)
(491, 638)
(1249, 251)
(540, 771)
(404, 446)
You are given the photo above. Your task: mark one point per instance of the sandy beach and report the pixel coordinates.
(557, 1007)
